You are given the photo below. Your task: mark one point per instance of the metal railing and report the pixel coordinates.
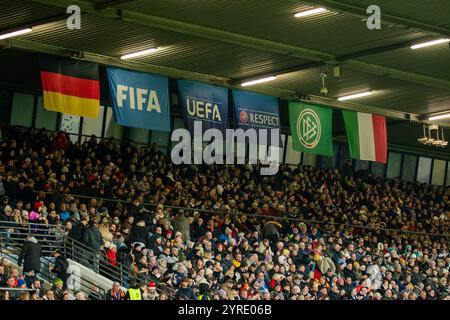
(283, 216)
(117, 271)
(13, 235)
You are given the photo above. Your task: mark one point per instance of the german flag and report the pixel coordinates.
(70, 86)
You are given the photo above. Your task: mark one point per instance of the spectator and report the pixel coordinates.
(60, 267)
(116, 292)
(31, 256)
(182, 225)
(92, 238)
(185, 292)
(134, 292)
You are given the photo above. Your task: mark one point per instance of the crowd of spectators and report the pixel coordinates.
(215, 231)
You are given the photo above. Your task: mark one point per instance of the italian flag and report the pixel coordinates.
(366, 135)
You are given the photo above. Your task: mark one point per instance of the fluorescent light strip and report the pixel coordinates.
(15, 33)
(430, 43)
(310, 12)
(354, 96)
(250, 83)
(138, 54)
(439, 117)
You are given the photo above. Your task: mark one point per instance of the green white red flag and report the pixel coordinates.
(366, 135)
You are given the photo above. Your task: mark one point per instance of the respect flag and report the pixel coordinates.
(366, 135)
(70, 86)
(311, 128)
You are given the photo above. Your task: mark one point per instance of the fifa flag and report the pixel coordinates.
(140, 99)
(366, 135)
(311, 128)
(70, 86)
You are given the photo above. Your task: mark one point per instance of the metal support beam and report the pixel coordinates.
(182, 74)
(110, 3)
(362, 108)
(228, 37)
(387, 18)
(248, 41)
(141, 66)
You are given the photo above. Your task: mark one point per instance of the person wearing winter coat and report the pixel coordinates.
(30, 255)
(60, 267)
(77, 234)
(93, 239)
(116, 292)
(181, 224)
(139, 234)
(270, 230)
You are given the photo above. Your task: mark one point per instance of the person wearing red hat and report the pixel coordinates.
(151, 293)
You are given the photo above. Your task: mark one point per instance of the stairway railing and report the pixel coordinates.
(52, 237)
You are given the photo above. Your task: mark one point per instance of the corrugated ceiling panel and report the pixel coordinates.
(115, 38)
(330, 32)
(389, 93)
(14, 13)
(431, 61)
(435, 12)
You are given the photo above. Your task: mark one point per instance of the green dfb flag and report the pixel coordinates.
(311, 128)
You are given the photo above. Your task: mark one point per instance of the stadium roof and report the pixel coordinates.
(226, 42)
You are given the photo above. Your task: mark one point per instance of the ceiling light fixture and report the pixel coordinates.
(250, 83)
(310, 12)
(354, 96)
(138, 54)
(439, 116)
(15, 33)
(430, 43)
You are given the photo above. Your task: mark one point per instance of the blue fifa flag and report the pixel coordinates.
(203, 102)
(140, 100)
(255, 110)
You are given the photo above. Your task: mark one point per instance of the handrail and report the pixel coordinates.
(119, 271)
(260, 216)
(44, 273)
(16, 289)
(67, 244)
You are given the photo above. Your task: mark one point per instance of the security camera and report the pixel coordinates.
(324, 89)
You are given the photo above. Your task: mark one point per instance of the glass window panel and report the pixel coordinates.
(361, 165)
(22, 109)
(112, 129)
(393, 166)
(378, 169)
(93, 126)
(447, 183)
(424, 170)
(438, 172)
(310, 159)
(292, 156)
(161, 138)
(139, 135)
(343, 155)
(71, 125)
(5, 103)
(283, 146)
(45, 119)
(327, 162)
(178, 123)
(409, 167)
